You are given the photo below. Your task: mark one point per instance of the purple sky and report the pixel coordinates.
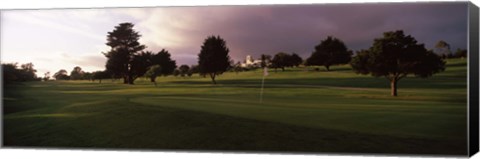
(63, 39)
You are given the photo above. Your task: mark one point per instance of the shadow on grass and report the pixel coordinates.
(177, 129)
(357, 82)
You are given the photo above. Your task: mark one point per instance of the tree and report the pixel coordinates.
(176, 72)
(461, 53)
(265, 60)
(153, 72)
(183, 70)
(140, 64)
(394, 56)
(123, 41)
(194, 69)
(280, 60)
(330, 51)
(46, 76)
(443, 48)
(99, 75)
(61, 75)
(163, 59)
(213, 58)
(26, 72)
(10, 72)
(88, 76)
(76, 73)
(295, 60)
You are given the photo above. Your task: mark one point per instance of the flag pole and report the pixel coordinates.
(265, 73)
(261, 90)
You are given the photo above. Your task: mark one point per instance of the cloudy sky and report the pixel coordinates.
(65, 38)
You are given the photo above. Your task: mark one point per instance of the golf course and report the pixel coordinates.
(302, 110)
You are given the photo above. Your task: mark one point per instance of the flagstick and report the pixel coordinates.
(265, 73)
(261, 90)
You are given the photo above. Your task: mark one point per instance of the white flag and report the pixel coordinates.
(265, 71)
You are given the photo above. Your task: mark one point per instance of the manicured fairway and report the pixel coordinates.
(302, 111)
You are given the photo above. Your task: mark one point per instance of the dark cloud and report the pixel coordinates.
(269, 29)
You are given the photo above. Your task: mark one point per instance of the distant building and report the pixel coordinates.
(250, 62)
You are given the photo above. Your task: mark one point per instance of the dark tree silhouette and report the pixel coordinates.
(61, 75)
(295, 60)
(394, 56)
(76, 73)
(88, 76)
(213, 58)
(163, 59)
(329, 52)
(27, 72)
(194, 69)
(281, 60)
(265, 60)
(124, 44)
(153, 72)
(183, 70)
(10, 72)
(46, 76)
(176, 72)
(99, 75)
(140, 64)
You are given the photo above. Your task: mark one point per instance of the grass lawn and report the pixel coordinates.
(302, 111)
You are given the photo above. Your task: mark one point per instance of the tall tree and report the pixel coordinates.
(123, 41)
(163, 59)
(394, 56)
(213, 58)
(153, 72)
(295, 60)
(76, 73)
(281, 60)
(61, 75)
(329, 52)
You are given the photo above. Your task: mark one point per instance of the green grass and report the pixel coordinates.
(302, 111)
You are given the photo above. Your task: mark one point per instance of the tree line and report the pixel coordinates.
(13, 73)
(393, 56)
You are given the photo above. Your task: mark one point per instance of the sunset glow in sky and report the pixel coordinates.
(65, 38)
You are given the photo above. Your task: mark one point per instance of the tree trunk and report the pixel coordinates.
(125, 80)
(283, 69)
(130, 80)
(212, 75)
(328, 67)
(100, 81)
(393, 87)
